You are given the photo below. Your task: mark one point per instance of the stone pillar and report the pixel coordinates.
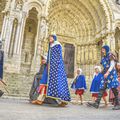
(8, 62)
(8, 34)
(75, 59)
(13, 4)
(18, 44)
(37, 52)
(78, 54)
(5, 26)
(8, 5)
(13, 38)
(82, 55)
(41, 35)
(86, 54)
(20, 35)
(94, 47)
(110, 41)
(15, 61)
(90, 54)
(119, 55)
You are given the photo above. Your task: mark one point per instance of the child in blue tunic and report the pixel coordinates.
(79, 85)
(95, 86)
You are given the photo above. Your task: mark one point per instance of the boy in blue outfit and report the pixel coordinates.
(79, 85)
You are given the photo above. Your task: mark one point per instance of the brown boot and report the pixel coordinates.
(63, 104)
(39, 102)
(34, 102)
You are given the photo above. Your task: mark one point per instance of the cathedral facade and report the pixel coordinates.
(81, 26)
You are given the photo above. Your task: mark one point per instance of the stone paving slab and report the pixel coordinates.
(16, 109)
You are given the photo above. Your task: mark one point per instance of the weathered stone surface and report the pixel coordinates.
(11, 109)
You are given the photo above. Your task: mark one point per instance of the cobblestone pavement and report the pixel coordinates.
(16, 109)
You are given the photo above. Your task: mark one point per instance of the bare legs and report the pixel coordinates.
(79, 97)
(104, 99)
(106, 104)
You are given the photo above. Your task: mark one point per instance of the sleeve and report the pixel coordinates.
(113, 57)
(74, 81)
(85, 86)
(41, 69)
(59, 50)
(112, 65)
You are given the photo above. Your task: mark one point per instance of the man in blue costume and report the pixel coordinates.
(1, 67)
(33, 92)
(57, 85)
(40, 82)
(110, 79)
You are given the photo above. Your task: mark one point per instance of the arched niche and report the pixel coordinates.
(28, 46)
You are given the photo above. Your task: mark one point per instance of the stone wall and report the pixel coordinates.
(18, 84)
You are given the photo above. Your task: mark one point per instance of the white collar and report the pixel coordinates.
(55, 43)
(97, 74)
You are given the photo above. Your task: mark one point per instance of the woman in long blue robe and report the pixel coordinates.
(57, 84)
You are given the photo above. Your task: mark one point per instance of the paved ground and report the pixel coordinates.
(14, 109)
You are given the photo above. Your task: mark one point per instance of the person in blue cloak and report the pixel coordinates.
(95, 85)
(57, 84)
(111, 95)
(1, 67)
(79, 85)
(110, 79)
(53, 83)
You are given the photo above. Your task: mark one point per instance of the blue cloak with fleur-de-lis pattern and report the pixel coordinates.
(57, 78)
(112, 79)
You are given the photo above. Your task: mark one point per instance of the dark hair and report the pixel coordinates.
(54, 37)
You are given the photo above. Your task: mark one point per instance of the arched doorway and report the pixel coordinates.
(28, 46)
(83, 22)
